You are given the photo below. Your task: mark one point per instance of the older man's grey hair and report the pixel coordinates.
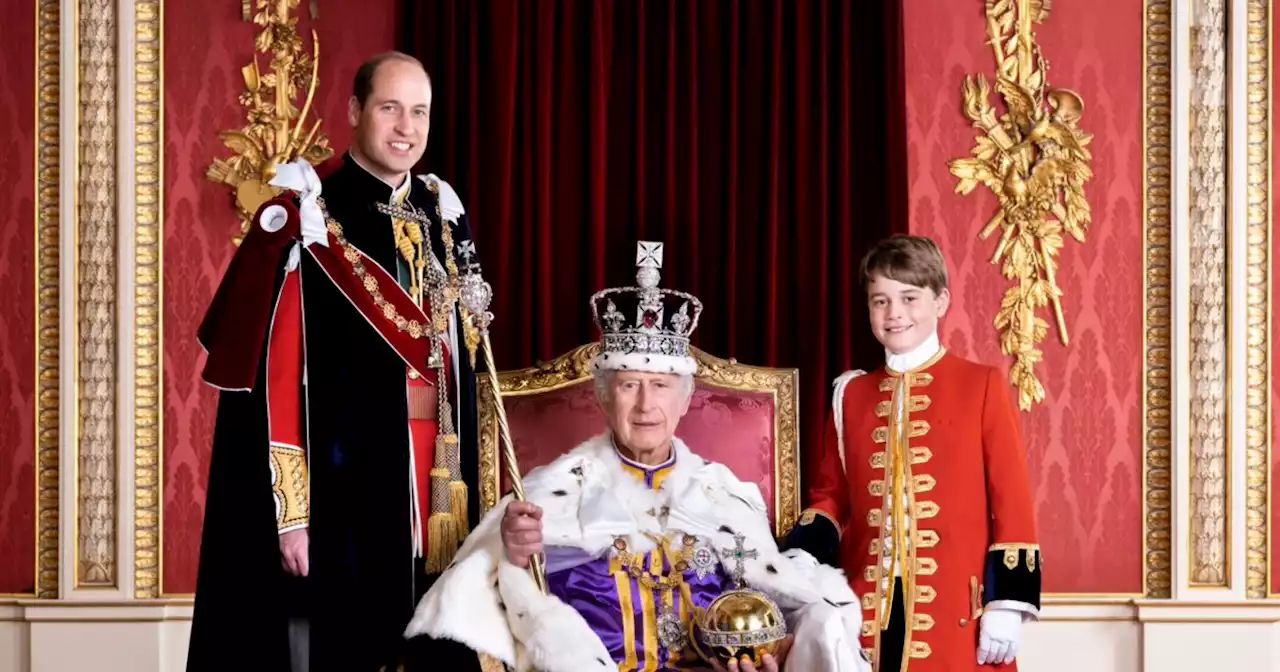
(604, 384)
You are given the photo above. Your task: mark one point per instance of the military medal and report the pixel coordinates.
(704, 560)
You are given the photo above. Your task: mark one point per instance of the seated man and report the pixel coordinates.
(639, 531)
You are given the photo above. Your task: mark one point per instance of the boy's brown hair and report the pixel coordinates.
(911, 260)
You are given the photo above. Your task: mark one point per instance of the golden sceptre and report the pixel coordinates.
(475, 296)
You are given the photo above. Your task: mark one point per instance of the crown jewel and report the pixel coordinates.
(657, 339)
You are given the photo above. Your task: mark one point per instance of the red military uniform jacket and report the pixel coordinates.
(956, 460)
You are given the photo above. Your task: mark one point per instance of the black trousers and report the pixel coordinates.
(893, 638)
(424, 654)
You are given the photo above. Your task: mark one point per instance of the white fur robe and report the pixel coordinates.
(587, 500)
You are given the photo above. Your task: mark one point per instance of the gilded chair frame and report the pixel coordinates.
(573, 367)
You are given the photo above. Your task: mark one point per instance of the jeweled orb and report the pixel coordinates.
(740, 623)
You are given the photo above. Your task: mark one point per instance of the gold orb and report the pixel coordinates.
(739, 623)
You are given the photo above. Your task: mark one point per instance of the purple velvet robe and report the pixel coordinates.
(622, 611)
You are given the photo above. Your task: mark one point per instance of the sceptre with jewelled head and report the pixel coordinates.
(475, 294)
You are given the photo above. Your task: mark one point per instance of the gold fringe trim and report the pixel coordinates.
(444, 533)
(458, 505)
(442, 541)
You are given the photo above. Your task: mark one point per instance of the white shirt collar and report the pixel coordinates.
(915, 358)
(400, 193)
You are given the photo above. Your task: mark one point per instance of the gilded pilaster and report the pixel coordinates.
(1209, 289)
(148, 203)
(47, 255)
(1158, 281)
(1258, 296)
(96, 227)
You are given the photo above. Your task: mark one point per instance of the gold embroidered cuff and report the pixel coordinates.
(1013, 573)
(290, 487)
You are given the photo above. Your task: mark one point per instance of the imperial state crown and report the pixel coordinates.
(657, 339)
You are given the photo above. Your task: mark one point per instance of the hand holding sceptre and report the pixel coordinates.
(475, 295)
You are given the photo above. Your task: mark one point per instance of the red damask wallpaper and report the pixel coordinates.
(206, 44)
(1084, 442)
(17, 299)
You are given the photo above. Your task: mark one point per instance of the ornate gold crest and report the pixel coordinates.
(1034, 158)
(273, 134)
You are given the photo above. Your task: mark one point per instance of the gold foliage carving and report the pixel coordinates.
(1208, 348)
(1035, 159)
(274, 132)
(96, 231)
(575, 367)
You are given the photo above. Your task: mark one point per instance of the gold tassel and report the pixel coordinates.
(458, 505)
(444, 533)
(442, 541)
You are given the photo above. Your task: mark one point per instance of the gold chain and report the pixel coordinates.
(634, 563)
(414, 328)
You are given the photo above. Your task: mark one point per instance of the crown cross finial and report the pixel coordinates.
(739, 556)
(648, 254)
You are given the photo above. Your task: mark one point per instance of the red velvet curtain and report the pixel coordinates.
(761, 141)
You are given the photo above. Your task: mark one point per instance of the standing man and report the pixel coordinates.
(345, 446)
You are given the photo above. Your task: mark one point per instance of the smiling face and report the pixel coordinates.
(902, 315)
(643, 410)
(391, 127)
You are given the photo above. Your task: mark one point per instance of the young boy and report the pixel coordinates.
(923, 496)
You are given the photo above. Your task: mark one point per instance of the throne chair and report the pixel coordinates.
(743, 416)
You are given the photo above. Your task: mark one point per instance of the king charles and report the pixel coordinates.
(639, 532)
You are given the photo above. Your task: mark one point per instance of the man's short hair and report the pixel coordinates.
(362, 86)
(911, 260)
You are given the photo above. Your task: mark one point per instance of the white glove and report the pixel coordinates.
(998, 640)
(301, 177)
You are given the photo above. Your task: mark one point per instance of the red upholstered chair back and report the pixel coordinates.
(742, 416)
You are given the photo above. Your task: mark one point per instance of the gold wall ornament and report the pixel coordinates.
(1034, 158)
(273, 134)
